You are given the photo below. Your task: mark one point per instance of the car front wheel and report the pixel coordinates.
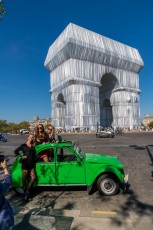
(107, 185)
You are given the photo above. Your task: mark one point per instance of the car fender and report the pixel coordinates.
(15, 164)
(105, 170)
(16, 171)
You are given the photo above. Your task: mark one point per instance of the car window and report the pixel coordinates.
(48, 152)
(65, 155)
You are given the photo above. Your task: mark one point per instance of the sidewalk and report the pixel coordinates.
(59, 219)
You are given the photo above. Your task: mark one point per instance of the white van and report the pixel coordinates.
(24, 131)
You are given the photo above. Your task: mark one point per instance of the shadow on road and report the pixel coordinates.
(150, 153)
(138, 147)
(134, 205)
(25, 218)
(131, 203)
(150, 156)
(28, 221)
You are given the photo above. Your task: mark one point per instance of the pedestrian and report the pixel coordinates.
(28, 161)
(6, 212)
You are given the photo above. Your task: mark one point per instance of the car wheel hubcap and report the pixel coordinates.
(108, 186)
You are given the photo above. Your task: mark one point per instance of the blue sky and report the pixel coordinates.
(32, 26)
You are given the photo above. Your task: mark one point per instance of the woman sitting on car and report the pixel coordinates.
(42, 137)
(53, 137)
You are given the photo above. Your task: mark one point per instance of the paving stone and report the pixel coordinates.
(34, 222)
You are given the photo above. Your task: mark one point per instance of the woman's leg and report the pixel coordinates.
(32, 178)
(24, 178)
(45, 158)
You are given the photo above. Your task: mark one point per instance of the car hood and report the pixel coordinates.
(102, 159)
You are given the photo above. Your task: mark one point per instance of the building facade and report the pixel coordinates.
(36, 121)
(147, 119)
(94, 80)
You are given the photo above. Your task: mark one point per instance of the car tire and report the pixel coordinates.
(107, 185)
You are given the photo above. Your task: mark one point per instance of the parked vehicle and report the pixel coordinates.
(3, 138)
(24, 131)
(102, 132)
(69, 166)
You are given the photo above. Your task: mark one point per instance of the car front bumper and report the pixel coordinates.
(126, 178)
(125, 186)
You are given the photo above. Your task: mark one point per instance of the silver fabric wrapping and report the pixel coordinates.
(94, 80)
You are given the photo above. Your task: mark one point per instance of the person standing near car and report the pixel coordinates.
(6, 212)
(28, 161)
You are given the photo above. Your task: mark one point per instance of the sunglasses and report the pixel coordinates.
(50, 129)
(40, 127)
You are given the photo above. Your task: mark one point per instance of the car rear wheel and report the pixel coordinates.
(108, 185)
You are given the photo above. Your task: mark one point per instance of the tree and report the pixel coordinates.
(24, 125)
(7, 127)
(2, 10)
(3, 125)
(150, 124)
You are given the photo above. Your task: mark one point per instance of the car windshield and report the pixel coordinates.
(78, 150)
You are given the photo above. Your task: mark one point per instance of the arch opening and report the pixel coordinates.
(60, 98)
(108, 82)
(61, 105)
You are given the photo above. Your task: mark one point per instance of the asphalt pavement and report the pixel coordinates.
(74, 209)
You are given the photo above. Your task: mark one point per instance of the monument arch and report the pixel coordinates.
(97, 77)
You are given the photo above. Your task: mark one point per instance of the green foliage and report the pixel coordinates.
(150, 124)
(7, 127)
(3, 125)
(2, 10)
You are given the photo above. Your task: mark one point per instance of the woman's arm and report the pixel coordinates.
(7, 178)
(17, 150)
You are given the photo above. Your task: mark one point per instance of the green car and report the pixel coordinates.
(69, 166)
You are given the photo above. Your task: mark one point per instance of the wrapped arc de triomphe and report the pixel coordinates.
(94, 80)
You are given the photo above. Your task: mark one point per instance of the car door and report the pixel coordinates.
(70, 170)
(46, 174)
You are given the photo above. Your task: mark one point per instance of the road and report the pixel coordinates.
(74, 208)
